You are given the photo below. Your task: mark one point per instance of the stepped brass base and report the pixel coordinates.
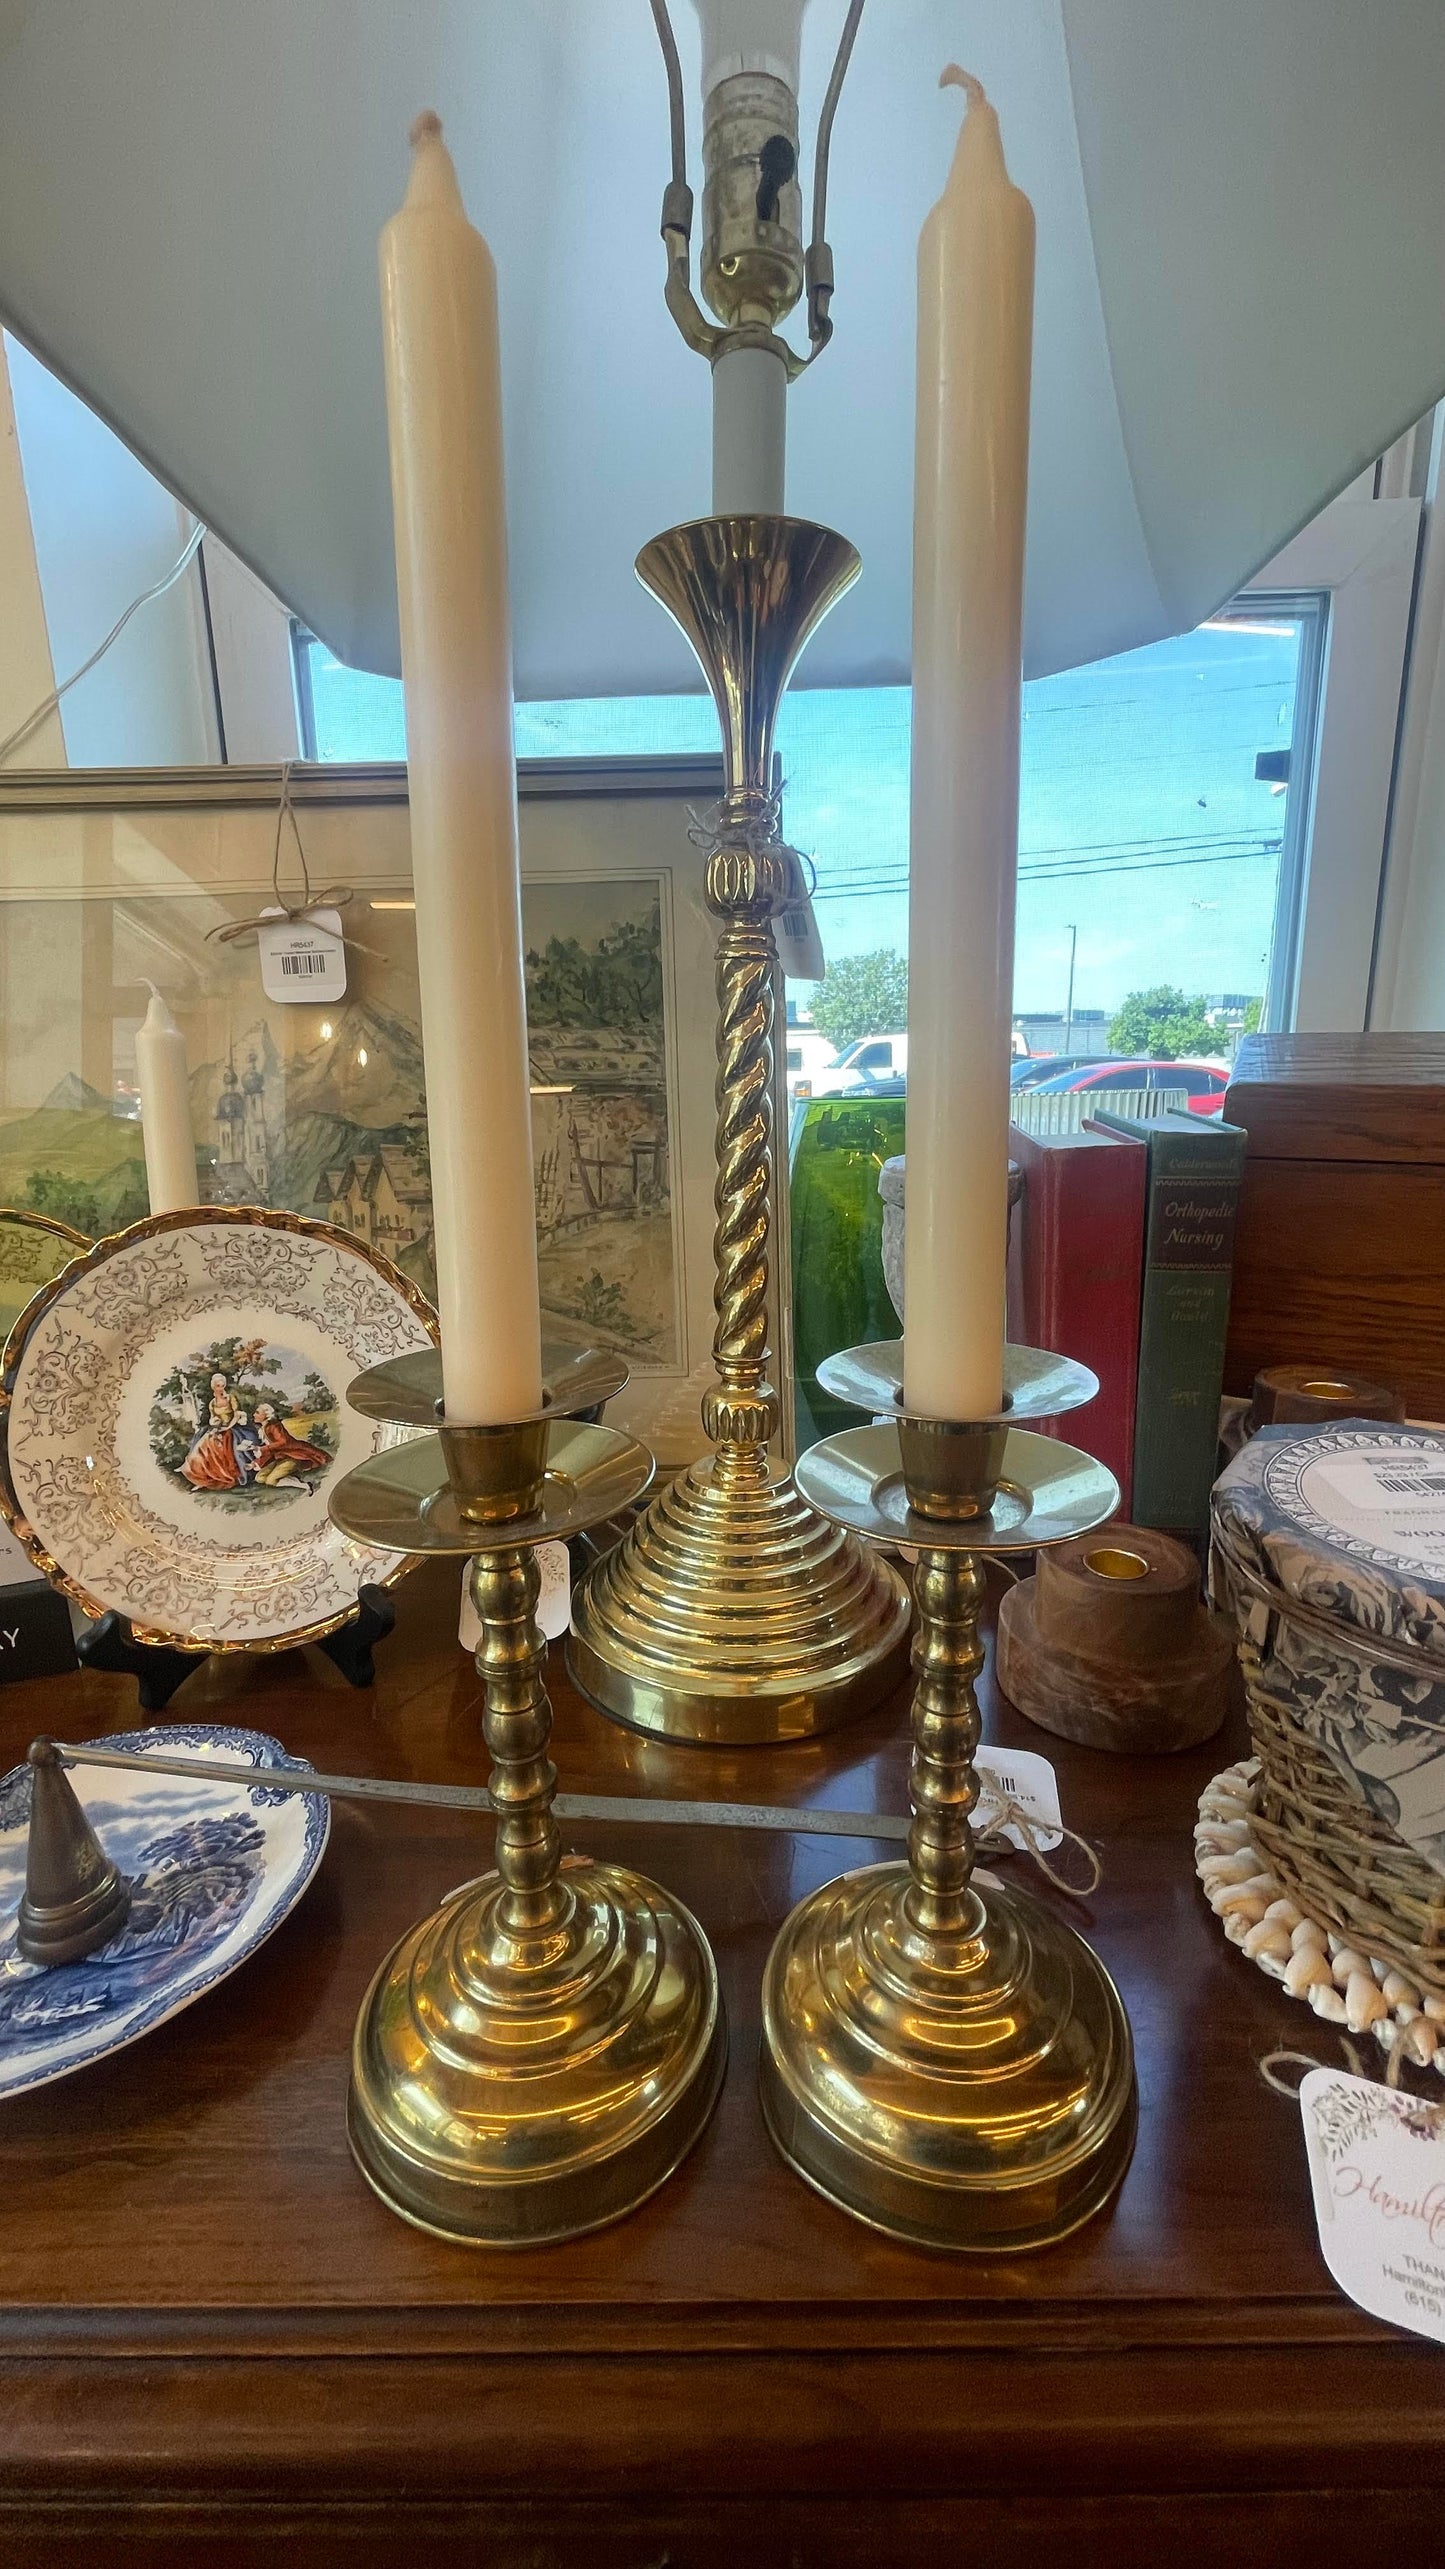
(973, 2091)
(508, 2090)
(734, 1615)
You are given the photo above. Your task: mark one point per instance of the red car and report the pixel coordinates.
(1203, 1085)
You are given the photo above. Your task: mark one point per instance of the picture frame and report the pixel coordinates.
(113, 880)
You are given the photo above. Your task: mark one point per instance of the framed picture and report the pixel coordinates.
(113, 881)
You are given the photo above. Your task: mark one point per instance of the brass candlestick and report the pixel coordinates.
(949, 2063)
(733, 1611)
(534, 2058)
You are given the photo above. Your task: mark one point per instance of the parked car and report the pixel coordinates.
(1035, 1068)
(874, 1066)
(808, 1056)
(1202, 1083)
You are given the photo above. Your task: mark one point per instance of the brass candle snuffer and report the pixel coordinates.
(950, 2063)
(733, 1611)
(535, 2057)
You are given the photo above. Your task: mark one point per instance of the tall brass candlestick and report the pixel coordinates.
(949, 2063)
(535, 2057)
(733, 1612)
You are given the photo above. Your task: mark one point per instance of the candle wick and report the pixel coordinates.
(954, 77)
(425, 128)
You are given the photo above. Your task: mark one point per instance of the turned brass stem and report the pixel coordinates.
(942, 1783)
(517, 1726)
(743, 1407)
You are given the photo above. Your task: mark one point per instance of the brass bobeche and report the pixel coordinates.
(536, 2057)
(945, 2060)
(733, 1612)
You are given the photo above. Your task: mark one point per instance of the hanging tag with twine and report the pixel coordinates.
(302, 944)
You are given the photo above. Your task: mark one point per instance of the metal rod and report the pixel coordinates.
(642, 1811)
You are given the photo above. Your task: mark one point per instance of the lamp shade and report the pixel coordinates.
(1240, 298)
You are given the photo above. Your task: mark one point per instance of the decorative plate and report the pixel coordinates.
(174, 1421)
(212, 1875)
(33, 1249)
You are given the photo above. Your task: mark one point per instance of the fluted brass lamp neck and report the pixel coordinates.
(748, 592)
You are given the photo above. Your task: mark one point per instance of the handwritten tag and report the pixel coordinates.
(1377, 2168)
(1020, 1775)
(303, 959)
(554, 1605)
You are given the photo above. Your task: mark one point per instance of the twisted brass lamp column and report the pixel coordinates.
(733, 1612)
(535, 2057)
(944, 2059)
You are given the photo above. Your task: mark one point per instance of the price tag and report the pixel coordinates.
(795, 929)
(554, 1605)
(1377, 2172)
(1020, 1775)
(303, 959)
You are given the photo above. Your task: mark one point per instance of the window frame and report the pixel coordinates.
(1358, 557)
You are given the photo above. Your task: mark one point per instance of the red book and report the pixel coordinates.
(1076, 1273)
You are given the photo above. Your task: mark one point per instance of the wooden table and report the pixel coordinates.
(215, 2343)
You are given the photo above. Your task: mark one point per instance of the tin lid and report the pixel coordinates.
(1349, 1518)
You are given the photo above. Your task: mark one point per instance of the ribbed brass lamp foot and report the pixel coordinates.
(734, 1614)
(509, 2089)
(966, 2093)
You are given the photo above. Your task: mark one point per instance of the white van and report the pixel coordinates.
(875, 1064)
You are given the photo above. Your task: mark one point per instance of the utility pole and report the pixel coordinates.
(1069, 1011)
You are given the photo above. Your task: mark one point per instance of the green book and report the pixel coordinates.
(1195, 1168)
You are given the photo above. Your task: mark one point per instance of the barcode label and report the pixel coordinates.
(303, 960)
(796, 924)
(1417, 1485)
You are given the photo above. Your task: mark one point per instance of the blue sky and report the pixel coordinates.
(1141, 819)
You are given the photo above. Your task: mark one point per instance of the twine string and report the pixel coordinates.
(335, 896)
(1005, 1813)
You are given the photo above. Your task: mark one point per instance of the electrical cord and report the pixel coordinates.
(33, 721)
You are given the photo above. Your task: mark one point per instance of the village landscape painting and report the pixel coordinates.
(322, 1111)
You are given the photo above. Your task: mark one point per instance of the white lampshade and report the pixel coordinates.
(1241, 286)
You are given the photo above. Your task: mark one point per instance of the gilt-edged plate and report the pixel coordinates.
(33, 1249)
(173, 1421)
(212, 1873)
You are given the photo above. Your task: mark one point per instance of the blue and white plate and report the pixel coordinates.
(212, 1873)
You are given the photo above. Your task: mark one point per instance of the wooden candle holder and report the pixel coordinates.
(1110, 1644)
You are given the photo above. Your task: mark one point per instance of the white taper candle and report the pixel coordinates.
(444, 409)
(164, 1082)
(975, 323)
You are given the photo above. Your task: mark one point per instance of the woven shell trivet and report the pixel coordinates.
(1344, 1986)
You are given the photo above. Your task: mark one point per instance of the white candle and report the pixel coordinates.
(165, 1109)
(975, 320)
(444, 409)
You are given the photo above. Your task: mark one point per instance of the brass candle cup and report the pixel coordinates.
(534, 2058)
(946, 2060)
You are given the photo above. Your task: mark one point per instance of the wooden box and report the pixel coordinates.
(1339, 1256)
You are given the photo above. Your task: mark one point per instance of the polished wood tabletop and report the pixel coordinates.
(216, 2344)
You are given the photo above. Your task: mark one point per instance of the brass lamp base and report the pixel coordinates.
(734, 1614)
(946, 2061)
(510, 2093)
(968, 2093)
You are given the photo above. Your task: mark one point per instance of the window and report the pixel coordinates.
(1184, 821)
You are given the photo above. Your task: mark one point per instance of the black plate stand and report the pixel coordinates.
(158, 1670)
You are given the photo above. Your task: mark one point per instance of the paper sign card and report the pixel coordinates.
(1020, 1775)
(303, 958)
(554, 1605)
(1377, 2167)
